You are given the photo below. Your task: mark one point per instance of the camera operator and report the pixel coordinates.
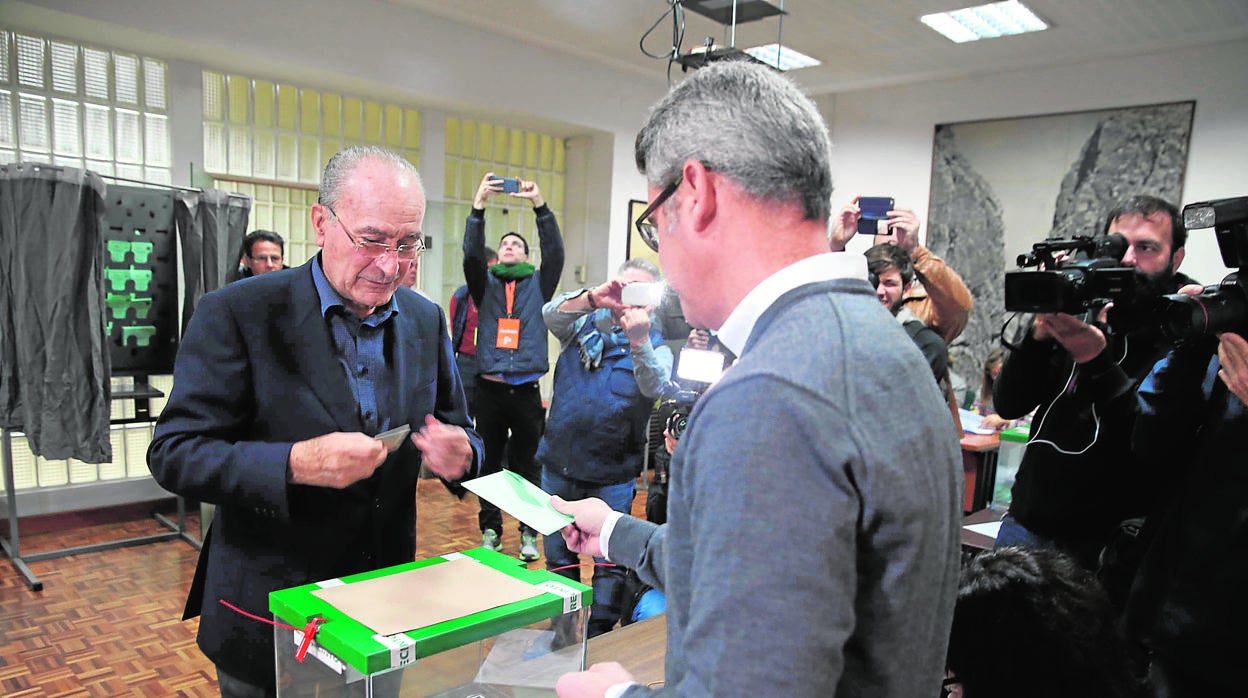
(1187, 602)
(673, 413)
(1077, 481)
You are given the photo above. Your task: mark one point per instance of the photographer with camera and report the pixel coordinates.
(511, 343)
(939, 298)
(611, 367)
(1187, 603)
(892, 273)
(1077, 480)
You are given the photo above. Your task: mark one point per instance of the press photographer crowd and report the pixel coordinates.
(1114, 571)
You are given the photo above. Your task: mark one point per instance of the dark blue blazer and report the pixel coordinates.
(257, 372)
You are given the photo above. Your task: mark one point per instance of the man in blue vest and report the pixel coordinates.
(612, 367)
(511, 344)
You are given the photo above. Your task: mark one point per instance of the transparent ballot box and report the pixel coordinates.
(462, 625)
(1009, 457)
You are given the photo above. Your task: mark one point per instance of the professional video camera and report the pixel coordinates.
(1223, 307)
(1071, 285)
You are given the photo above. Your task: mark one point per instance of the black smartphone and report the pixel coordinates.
(510, 185)
(874, 209)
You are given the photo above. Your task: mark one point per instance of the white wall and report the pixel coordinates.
(883, 138)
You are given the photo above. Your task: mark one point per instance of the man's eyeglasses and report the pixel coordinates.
(373, 249)
(270, 258)
(646, 228)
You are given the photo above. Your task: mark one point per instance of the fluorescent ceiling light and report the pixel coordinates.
(985, 21)
(781, 57)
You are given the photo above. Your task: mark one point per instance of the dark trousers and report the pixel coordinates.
(608, 581)
(510, 419)
(467, 366)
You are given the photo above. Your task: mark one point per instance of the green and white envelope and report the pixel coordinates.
(520, 498)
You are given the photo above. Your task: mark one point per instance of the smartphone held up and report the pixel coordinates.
(510, 185)
(873, 209)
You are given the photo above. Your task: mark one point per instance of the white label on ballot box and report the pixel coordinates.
(571, 597)
(402, 649)
(320, 653)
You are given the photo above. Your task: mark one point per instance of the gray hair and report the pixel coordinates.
(344, 161)
(642, 265)
(748, 122)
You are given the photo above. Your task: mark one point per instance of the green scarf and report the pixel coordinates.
(512, 272)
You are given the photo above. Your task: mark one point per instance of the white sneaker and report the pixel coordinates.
(528, 547)
(489, 539)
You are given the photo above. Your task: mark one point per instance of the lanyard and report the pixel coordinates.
(511, 296)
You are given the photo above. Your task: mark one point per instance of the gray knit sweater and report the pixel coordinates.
(812, 541)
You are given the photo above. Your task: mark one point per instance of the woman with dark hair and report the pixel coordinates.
(1031, 622)
(983, 403)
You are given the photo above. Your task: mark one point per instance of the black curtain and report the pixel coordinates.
(54, 368)
(211, 227)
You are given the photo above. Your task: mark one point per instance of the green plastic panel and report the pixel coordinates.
(355, 644)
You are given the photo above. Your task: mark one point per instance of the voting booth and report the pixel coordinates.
(470, 624)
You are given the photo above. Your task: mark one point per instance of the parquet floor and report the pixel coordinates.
(108, 623)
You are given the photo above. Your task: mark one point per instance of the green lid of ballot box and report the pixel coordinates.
(360, 647)
(1016, 435)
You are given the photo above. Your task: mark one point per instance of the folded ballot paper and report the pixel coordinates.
(520, 498)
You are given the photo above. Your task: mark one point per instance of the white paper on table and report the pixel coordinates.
(971, 422)
(989, 529)
(520, 498)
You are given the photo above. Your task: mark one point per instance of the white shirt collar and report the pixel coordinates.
(822, 267)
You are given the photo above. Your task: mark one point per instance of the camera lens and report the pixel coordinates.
(1209, 313)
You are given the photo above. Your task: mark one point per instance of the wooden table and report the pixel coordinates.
(979, 469)
(641, 648)
(978, 541)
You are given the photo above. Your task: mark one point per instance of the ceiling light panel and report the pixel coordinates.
(782, 57)
(985, 21)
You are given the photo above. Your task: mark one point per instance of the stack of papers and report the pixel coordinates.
(971, 423)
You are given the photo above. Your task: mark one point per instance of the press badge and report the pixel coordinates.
(508, 333)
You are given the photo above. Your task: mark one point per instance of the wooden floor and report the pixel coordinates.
(107, 623)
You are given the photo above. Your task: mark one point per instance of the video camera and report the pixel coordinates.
(1071, 285)
(1223, 307)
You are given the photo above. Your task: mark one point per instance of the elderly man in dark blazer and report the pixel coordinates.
(280, 385)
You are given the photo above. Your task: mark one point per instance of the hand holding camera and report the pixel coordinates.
(512, 186)
(1233, 358)
(863, 216)
(1084, 342)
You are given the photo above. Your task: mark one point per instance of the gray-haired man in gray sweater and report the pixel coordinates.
(812, 546)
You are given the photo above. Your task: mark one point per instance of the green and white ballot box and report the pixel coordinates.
(470, 624)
